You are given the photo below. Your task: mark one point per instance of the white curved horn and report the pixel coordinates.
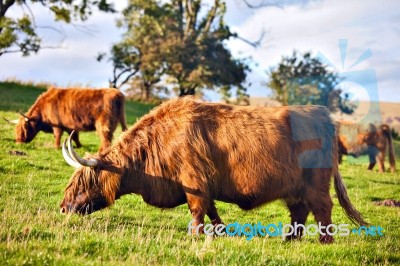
(11, 121)
(77, 158)
(68, 158)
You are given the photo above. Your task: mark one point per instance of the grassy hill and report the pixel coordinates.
(32, 232)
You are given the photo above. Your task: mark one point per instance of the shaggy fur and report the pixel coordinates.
(185, 151)
(59, 110)
(356, 140)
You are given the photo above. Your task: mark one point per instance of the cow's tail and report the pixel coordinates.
(122, 118)
(341, 192)
(388, 134)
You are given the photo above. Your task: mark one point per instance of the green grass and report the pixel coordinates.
(32, 232)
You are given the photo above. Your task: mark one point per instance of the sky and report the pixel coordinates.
(368, 29)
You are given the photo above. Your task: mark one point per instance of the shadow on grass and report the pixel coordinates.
(385, 182)
(11, 140)
(373, 199)
(39, 167)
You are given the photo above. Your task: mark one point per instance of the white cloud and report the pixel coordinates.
(301, 25)
(317, 26)
(75, 62)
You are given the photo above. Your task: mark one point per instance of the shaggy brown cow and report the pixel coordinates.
(185, 151)
(59, 110)
(356, 140)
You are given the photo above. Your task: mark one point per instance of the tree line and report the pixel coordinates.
(178, 46)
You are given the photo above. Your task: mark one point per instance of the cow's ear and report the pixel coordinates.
(27, 119)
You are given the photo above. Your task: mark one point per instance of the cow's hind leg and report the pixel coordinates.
(320, 202)
(381, 161)
(105, 132)
(212, 213)
(105, 136)
(298, 213)
(322, 211)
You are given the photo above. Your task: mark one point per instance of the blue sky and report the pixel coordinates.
(315, 26)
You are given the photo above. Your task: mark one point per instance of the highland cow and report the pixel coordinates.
(371, 140)
(59, 110)
(186, 151)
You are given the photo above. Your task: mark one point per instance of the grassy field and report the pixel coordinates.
(32, 232)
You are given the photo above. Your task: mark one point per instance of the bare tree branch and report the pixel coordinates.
(86, 29)
(127, 78)
(256, 43)
(4, 7)
(30, 12)
(188, 17)
(263, 3)
(61, 32)
(180, 4)
(134, 70)
(211, 16)
(195, 13)
(31, 50)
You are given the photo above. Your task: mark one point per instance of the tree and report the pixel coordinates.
(179, 41)
(147, 91)
(20, 34)
(302, 79)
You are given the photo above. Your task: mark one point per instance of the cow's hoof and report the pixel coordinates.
(326, 239)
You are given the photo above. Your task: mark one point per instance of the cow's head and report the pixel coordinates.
(26, 129)
(92, 187)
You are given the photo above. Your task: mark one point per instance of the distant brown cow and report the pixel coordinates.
(59, 110)
(185, 151)
(356, 140)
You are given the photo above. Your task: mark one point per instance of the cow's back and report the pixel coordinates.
(77, 108)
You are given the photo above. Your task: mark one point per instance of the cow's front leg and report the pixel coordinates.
(198, 209)
(75, 138)
(212, 213)
(371, 166)
(57, 136)
(372, 155)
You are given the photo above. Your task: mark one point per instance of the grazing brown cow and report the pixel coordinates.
(356, 140)
(185, 151)
(59, 110)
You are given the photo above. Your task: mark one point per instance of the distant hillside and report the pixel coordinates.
(18, 97)
(385, 112)
(263, 101)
